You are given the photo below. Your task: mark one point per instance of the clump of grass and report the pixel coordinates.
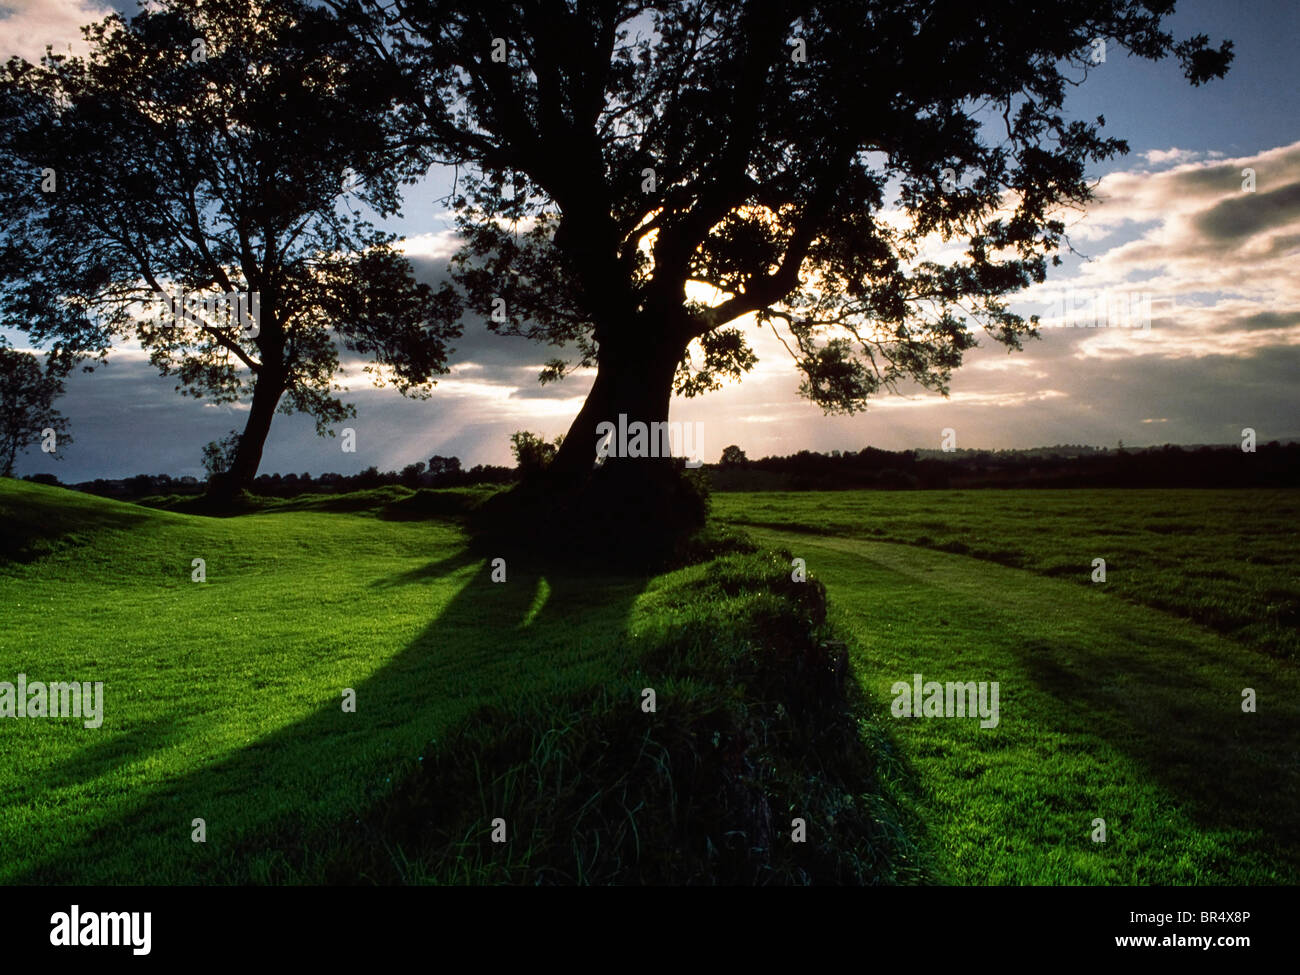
(756, 725)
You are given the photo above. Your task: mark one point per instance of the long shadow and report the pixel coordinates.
(463, 658)
(1176, 707)
(431, 570)
(106, 754)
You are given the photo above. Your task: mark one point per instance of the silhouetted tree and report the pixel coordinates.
(216, 149)
(440, 466)
(733, 456)
(411, 473)
(219, 455)
(27, 413)
(533, 454)
(623, 161)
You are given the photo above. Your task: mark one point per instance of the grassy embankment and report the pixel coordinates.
(1119, 700)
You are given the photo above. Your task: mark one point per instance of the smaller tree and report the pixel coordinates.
(199, 183)
(411, 473)
(27, 414)
(440, 466)
(218, 455)
(532, 453)
(733, 456)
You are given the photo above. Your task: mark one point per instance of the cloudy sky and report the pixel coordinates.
(1219, 265)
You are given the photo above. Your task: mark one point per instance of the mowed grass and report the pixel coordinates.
(1228, 560)
(223, 698)
(1108, 711)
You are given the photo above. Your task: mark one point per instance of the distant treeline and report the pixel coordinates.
(1271, 465)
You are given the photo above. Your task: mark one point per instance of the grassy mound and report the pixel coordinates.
(40, 520)
(756, 727)
(1109, 711)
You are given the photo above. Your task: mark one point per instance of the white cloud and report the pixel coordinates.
(436, 246)
(27, 26)
(972, 398)
(1218, 261)
(1159, 157)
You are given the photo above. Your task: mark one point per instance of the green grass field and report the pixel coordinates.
(1113, 705)
(1228, 560)
(1119, 700)
(223, 699)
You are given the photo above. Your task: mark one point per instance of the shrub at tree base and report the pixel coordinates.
(629, 515)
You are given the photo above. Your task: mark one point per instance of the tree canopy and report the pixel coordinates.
(634, 178)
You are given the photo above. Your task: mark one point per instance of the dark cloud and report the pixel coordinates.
(1204, 400)
(1284, 245)
(1261, 320)
(479, 344)
(1203, 180)
(565, 389)
(1250, 213)
(126, 419)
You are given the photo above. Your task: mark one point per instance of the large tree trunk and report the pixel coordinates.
(635, 382)
(248, 455)
(634, 512)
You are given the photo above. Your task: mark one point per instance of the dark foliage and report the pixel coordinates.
(1272, 465)
(625, 516)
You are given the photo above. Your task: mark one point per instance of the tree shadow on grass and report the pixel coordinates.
(1152, 688)
(429, 571)
(1175, 705)
(491, 642)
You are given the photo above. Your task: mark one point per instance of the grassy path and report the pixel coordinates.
(1107, 710)
(1224, 559)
